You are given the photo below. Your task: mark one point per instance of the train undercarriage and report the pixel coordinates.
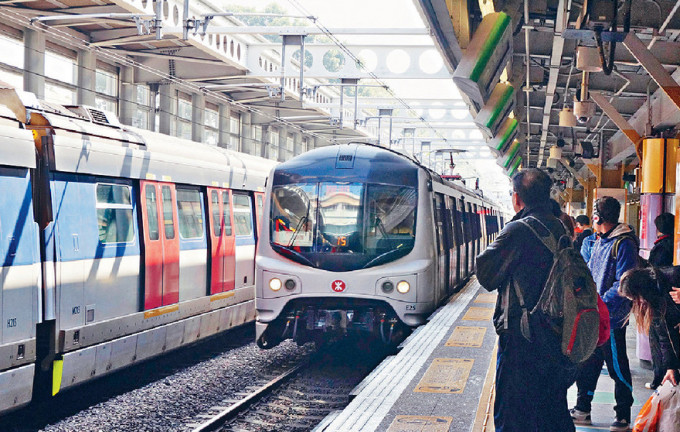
(320, 321)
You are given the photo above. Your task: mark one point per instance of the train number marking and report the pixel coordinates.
(338, 286)
(342, 241)
(410, 307)
(12, 322)
(75, 310)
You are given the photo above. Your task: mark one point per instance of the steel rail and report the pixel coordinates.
(244, 404)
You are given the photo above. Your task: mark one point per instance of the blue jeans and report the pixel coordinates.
(532, 379)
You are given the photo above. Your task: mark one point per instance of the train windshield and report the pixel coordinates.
(343, 226)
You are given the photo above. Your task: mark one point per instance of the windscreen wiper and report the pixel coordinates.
(297, 254)
(304, 219)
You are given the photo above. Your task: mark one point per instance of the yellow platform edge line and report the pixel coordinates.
(485, 408)
(161, 311)
(221, 296)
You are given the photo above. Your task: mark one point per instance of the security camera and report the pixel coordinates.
(583, 110)
(561, 142)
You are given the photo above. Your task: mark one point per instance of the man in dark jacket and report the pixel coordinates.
(583, 223)
(532, 376)
(614, 253)
(661, 254)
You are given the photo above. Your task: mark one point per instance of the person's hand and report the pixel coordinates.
(670, 376)
(675, 294)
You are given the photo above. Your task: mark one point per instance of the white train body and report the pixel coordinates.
(383, 243)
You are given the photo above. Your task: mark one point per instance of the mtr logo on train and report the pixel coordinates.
(338, 286)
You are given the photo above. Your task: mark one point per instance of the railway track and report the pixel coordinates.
(299, 398)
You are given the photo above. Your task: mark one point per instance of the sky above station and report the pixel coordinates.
(399, 14)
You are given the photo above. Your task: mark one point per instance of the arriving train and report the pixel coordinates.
(362, 239)
(116, 244)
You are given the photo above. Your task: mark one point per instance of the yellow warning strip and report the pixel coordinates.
(57, 370)
(161, 311)
(221, 296)
(484, 418)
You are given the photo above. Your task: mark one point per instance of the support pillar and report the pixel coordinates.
(266, 142)
(87, 78)
(283, 141)
(658, 186)
(224, 117)
(197, 117)
(247, 144)
(34, 62)
(128, 97)
(168, 104)
(297, 143)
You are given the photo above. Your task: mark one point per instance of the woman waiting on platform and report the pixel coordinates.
(653, 307)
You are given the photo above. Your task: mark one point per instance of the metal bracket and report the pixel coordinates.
(653, 67)
(618, 120)
(144, 26)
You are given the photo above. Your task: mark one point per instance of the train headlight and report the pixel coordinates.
(403, 287)
(387, 287)
(275, 284)
(290, 284)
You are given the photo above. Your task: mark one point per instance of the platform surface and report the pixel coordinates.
(442, 378)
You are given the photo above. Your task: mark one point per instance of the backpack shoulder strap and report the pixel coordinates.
(617, 244)
(548, 241)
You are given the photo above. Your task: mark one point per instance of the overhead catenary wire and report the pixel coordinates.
(358, 61)
(165, 78)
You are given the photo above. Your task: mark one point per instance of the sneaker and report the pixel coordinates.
(620, 426)
(651, 386)
(580, 417)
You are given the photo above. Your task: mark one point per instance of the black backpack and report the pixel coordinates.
(568, 301)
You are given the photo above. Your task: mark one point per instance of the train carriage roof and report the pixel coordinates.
(354, 162)
(17, 147)
(80, 145)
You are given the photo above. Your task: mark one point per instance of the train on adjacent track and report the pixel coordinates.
(363, 240)
(116, 244)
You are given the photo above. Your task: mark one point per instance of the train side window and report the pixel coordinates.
(215, 200)
(152, 212)
(168, 214)
(189, 213)
(114, 213)
(226, 214)
(243, 219)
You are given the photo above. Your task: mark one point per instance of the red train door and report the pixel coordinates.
(161, 244)
(222, 241)
(170, 244)
(229, 242)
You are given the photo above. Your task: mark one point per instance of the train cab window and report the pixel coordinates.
(226, 214)
(340, 218)
(391, 216)
(168, 214)
(152, 212)
(293, 215)
(217, 227)
(189, 213)
(114, 213)
(243, 215)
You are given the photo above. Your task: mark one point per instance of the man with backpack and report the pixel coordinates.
(613, 254)
(532, 373)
